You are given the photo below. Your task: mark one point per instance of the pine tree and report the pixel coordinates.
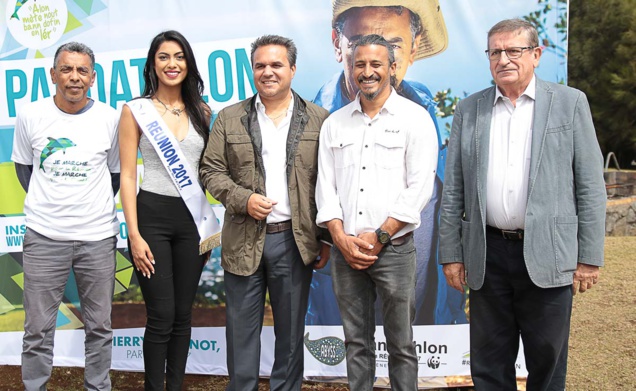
(602, 63)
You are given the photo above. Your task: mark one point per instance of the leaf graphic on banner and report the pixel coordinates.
(327, 350)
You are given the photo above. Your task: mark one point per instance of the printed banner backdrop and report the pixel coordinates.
(221, 32)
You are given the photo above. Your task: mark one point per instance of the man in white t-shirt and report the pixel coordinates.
(67, 158)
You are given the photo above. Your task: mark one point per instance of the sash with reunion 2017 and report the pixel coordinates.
(180, 171)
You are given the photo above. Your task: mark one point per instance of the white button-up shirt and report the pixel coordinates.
(373, 168)
(509, 159)
(274, 155)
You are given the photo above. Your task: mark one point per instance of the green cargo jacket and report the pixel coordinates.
(232, 170)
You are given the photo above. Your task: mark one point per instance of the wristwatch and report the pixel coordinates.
(383, 236)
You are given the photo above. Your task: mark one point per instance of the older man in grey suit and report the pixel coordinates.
(523, 213)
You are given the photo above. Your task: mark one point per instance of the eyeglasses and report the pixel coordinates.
(512, 53)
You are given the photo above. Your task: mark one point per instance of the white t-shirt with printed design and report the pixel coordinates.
(70, 194)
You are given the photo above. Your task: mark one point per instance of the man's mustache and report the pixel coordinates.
(372, 78)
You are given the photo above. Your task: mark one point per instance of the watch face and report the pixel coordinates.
(383, 236)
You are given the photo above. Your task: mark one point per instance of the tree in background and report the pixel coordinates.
(548, 11)
(602, 63)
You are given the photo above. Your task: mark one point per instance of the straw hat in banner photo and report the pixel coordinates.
(434, 36)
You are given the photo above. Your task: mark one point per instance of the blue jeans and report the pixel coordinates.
(392, 276)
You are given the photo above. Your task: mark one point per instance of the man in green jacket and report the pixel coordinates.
(261, 163)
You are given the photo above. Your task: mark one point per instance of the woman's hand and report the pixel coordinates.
(142, 256)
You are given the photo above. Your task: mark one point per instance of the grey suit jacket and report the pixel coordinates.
(565, 215)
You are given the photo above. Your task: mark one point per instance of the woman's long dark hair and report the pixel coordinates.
(191, 88)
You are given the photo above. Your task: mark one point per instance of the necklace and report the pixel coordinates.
(174, 110)
(278, 116)
(281, 114)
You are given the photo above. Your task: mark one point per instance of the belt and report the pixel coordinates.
(508, 234)
(275, 228)
(401, 240)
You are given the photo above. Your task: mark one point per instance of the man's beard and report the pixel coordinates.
(372, 95)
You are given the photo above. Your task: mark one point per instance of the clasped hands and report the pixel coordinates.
(360, 251)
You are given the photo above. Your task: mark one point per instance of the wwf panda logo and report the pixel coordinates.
(433, 362)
